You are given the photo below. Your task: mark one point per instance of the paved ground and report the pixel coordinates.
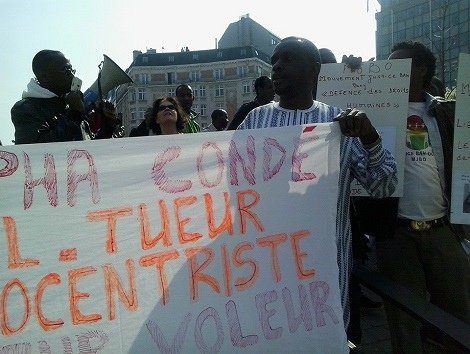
(375, 333)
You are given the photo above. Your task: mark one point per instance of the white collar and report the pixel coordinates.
(34, 90)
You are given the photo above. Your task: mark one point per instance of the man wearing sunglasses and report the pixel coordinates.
(49, 111)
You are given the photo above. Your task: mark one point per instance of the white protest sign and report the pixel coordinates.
(379, 88)
(460, 207)
(221, 242)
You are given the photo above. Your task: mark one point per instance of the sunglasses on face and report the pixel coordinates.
(162, 108)
(69, 72)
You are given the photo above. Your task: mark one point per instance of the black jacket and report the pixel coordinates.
(141, 130)
(44, 120)
(241, 114)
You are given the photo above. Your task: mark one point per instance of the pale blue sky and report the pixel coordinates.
(84, 30)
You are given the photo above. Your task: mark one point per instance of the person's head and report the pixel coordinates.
(219, 118)
(184, 93)
(327, 56)
(423, 62)
(53, 71)
(167, 115)
(148, 115)
(264, 89)
(295, 64)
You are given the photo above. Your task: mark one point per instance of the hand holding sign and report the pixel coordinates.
(354, 123)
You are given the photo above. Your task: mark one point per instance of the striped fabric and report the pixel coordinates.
(191, 125)
(375, 169)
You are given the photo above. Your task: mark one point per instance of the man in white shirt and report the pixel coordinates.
(423, 252)
(219, 121)
(295, 67)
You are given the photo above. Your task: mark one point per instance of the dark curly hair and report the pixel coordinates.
(179, 114)
(420, 55)
(44, 59)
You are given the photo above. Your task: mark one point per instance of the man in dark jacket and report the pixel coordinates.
(143, 129)
(49, 111)
(417, 247)
(185, 95)
(264, 94)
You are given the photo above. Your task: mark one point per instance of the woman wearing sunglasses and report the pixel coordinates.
(166, 117)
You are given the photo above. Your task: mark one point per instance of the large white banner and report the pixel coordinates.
(379, 88)
(460, 208)
(218, 242)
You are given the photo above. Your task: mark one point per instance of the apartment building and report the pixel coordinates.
(220, 78)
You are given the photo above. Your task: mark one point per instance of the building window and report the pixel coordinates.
(418, 31)
(219, 105)
(202, 91)
(219, 74)
(219, 54)
(171, 78)
(145, 59)
(172, 92)
(141, 94)
(419, 10)
(194, 76)
(132, 95)
(242, 71)
(242, 51)
(195, 107)
(400, 15)
(171, 58)
(401, 36)
(141, 113)
(219, 91)
(259, 71)
(145, 79)
(133, 115)
(464, 39)
(246, 87)
(273, 41)
(203, 110)
(195, 56)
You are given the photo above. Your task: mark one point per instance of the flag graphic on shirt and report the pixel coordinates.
(416, 133)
